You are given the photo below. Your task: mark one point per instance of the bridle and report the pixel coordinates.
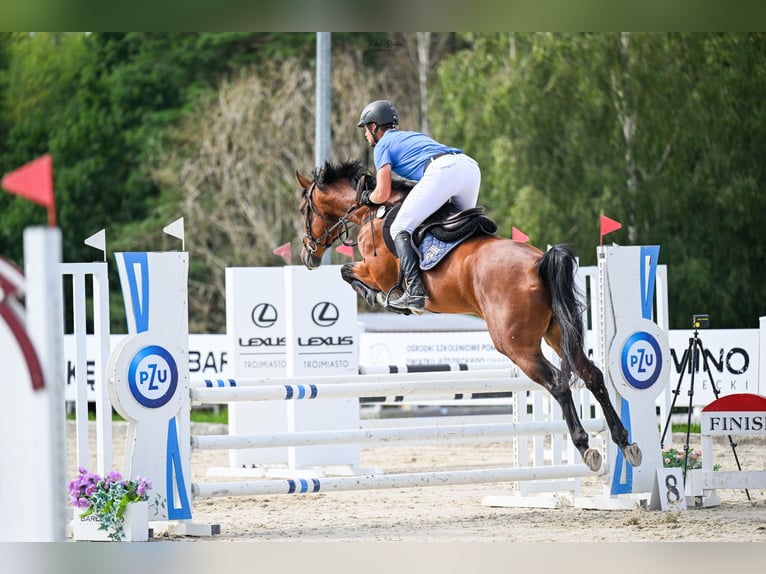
(328, 236)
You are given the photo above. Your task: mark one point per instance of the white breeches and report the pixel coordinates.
(455, 177)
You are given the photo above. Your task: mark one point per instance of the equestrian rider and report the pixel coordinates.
(442, 173)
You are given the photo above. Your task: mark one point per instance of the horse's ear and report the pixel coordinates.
(303, 181)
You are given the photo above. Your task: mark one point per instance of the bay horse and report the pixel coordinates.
(525, 296)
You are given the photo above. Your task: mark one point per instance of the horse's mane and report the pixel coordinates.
(332, 172)
(352, 170)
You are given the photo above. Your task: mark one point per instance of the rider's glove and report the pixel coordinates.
(362, 193)
(364, 198)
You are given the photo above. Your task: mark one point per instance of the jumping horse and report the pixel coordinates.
(525, 296)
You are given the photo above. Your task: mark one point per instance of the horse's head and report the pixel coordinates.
(328, 202)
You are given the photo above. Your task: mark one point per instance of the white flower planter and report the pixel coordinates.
(136, 528)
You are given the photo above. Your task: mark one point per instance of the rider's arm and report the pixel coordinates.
(383, 185)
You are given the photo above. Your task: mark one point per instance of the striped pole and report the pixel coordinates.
(500, 432)
(371, 482)
(439, 367)
(383, 376)
(244, 390)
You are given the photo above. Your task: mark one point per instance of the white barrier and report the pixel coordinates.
(148, 377)
(149, 368)
(371, 482)
(97, 273)
(33, 470)
(155, 292)
(733, 415)
(527, 432)
(496, 432)
(297, 322)
(300, 388)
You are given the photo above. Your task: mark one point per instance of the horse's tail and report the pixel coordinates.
(557, 270)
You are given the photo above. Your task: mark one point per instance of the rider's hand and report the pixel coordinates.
(362, 193)
(364, 198)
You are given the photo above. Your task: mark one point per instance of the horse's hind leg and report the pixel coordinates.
(594, 381)
(540, 370)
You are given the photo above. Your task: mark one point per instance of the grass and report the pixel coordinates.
(210, 415)
(695, 428)
(197, 415)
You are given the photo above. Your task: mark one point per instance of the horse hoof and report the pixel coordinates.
(633, 454)
(592, 459)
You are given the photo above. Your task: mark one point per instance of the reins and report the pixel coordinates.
(343, 222)
(326, 240)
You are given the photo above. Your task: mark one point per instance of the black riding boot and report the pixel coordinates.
(414, 296)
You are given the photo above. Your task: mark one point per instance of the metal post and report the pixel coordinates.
(322, 146)
(322, 133)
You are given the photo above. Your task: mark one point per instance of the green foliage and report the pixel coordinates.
(107, 498)
(40, 73)
(683, 457)
(230, 170)
(102, 104)
(659, 131)
(663, 132)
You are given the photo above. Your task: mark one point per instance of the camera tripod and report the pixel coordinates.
(691, 359)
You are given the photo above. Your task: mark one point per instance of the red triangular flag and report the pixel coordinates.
(518, 235)
(345, 250)
(285, 252)
(34, 181)
(607, 226)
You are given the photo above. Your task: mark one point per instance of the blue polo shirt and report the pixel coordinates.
(408, 152)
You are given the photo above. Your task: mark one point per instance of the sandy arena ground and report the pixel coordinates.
(455, 513)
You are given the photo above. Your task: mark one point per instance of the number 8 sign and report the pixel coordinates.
(668, 492)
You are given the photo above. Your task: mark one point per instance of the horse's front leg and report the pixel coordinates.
(353, 274)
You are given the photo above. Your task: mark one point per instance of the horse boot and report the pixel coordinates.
(414, 296)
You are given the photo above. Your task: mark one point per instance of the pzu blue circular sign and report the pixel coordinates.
(153, 376)
(641, 360)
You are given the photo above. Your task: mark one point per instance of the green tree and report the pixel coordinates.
(659, 131)
(230, 170)
(101, 104)
(36, 82)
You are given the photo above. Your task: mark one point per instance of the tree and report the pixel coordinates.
(232, 167)
(37, 80)
(659, 131)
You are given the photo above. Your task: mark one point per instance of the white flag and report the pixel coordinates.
(175, 229)
(98, 241)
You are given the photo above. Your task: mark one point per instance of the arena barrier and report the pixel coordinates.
(258, 321)
(150, 385)
(537, 433)
(488, 381)
(33, 470)
(164, 380)
(729, 416)
(76, 276)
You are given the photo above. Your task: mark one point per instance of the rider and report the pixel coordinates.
(442, 173)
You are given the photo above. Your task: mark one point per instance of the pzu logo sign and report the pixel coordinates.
(641, 360)
(153, 376)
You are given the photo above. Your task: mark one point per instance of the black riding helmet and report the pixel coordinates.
(382, 112)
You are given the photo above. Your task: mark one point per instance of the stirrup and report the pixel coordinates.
(408, 301)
